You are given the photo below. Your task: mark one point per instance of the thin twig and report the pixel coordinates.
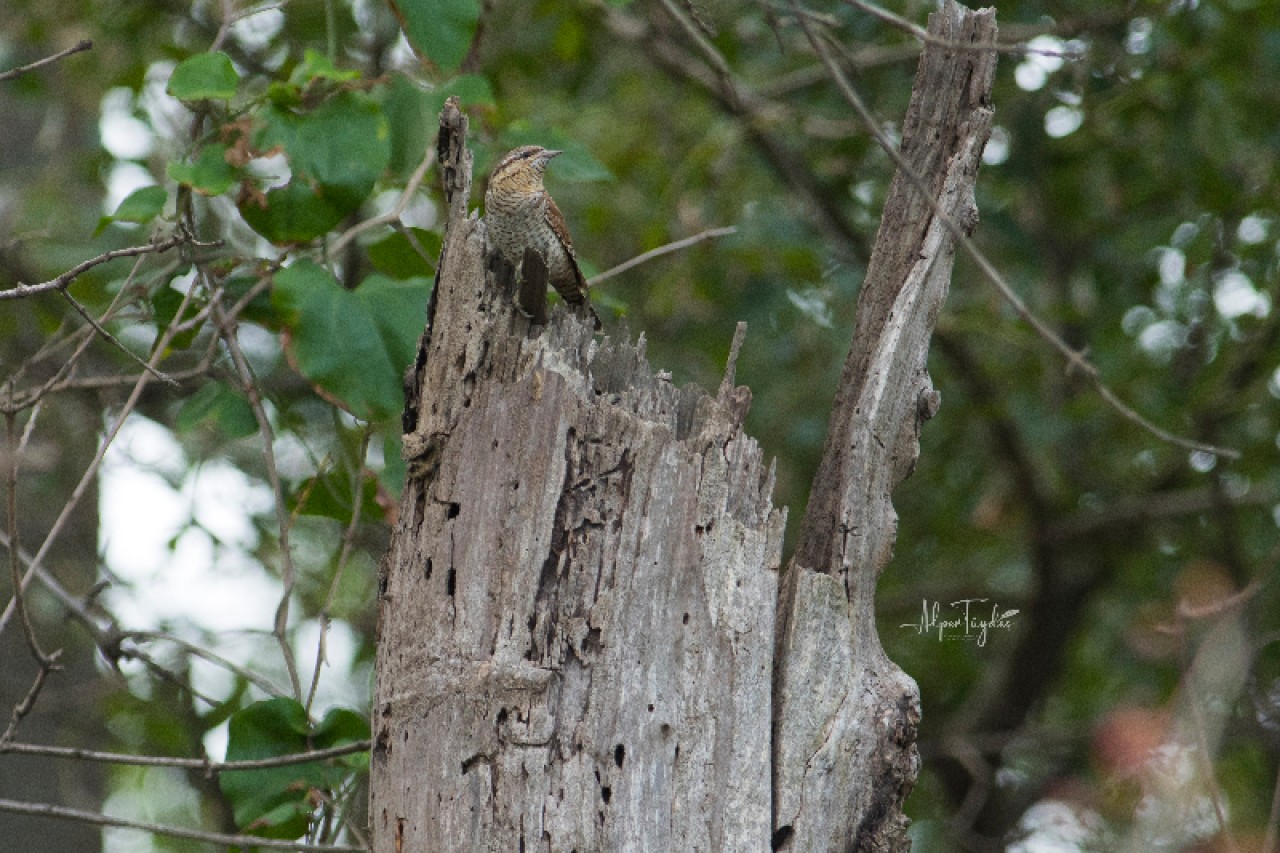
(392, 215)
(21, 290)
(185, 763)
(11, 517)
(90, 474)
(68, 364)
(28, 702)
(45, 662)
(227, 329)
(660, 251)
(1075, 359)
(924, 36)
(348, 542)
(249, 675)
(111, 339)
(224, 28)
(13, 73)
(99, 819)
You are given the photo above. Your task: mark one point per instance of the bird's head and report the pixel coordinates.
(522, 169)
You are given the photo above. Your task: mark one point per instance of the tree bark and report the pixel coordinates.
(846, 716)
(576, 627)
(582, 643)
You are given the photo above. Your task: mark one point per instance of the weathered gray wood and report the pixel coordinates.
(576, 612)
(844, 749)
(578, 647)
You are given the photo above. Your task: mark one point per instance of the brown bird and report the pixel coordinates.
(520, 215)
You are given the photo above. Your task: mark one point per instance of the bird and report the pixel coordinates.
(520, 214)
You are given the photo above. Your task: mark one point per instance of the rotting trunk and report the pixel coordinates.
(582, 642)
(577, 610)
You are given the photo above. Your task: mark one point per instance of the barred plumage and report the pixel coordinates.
(520, 214)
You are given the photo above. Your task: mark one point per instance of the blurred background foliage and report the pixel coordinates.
(1130, 194)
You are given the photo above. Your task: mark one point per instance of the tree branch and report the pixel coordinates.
(660, 251)
(1075, 359)
(99, 819)
(91, 471)
(14, 73)
(288, 577)
(204, 764)
(20, 290)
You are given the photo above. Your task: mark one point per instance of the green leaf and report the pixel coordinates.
(141, 205)
(275, 802)
(339, 726)
(204, 76)
(295, 213)
(164, 308)
(218, 404)
(209, 174)
(396, 257)
(266, 801)
(353, 345)
(440, 30)
(336, 152)
(330, 496)
(316, 66)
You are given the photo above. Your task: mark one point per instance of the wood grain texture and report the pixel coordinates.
(576, 612)
(844, 749)
(583, 640)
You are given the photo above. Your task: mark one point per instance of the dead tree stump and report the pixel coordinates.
(582, 642)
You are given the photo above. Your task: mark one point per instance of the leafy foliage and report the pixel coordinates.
(278, 802)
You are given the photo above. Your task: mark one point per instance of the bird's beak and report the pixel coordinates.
(547, 155)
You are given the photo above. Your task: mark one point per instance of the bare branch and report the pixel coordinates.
(348, 542)
(185, 763)
(662, 250)
(14, 73)
(1076, 360)
(98, 819)
(738, 99)
(227, 329)
(45, 662)
(111, 339)
(87, 479)
(67, 364)
(391, 216)
(21, 290)
(199, 651)
(28, 702)
(921, 34)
